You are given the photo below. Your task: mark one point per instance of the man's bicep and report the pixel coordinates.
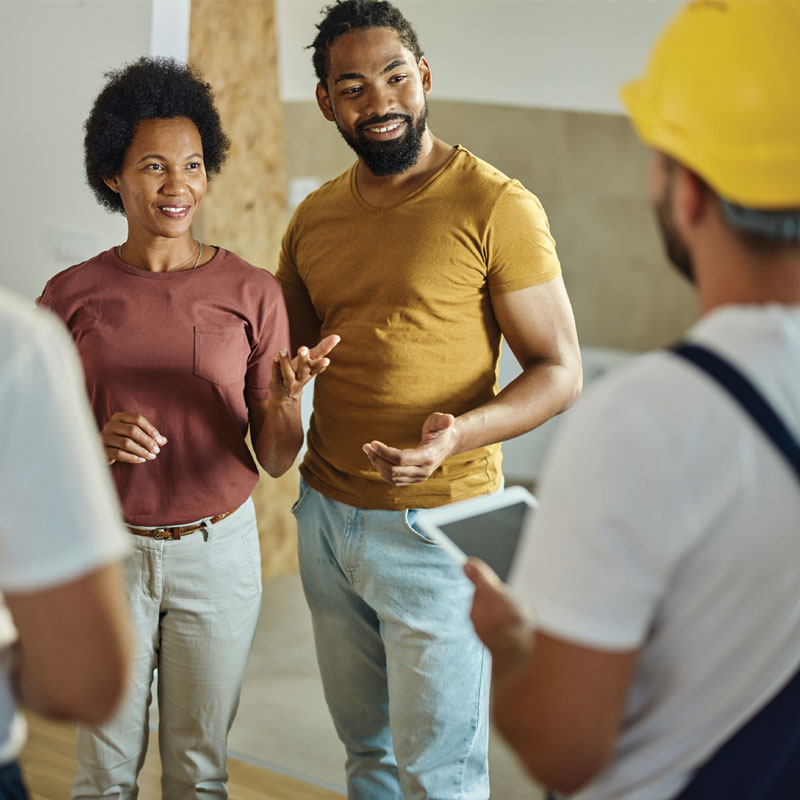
(585, 686)
(538, 324)
(304, 324)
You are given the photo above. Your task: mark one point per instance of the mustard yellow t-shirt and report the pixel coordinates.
(408, 289)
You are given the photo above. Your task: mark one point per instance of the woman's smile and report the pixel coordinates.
(163, 179)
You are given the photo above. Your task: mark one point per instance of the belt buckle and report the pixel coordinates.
(161, 533)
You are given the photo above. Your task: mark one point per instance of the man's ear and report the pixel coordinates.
(324, 103)
(425, 74)
(691, 195)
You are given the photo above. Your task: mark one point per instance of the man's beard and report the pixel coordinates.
(674, 246)
(391, 157)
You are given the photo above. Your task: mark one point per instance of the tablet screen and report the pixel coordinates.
(491, 536)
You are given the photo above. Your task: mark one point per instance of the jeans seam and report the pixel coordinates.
(352, 543)
(475, 726)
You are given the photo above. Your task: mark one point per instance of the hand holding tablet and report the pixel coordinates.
(488, 527)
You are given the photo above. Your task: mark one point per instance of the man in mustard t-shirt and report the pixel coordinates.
(420, 256)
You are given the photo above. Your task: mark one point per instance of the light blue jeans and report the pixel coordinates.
(194, 604)
(405, 677)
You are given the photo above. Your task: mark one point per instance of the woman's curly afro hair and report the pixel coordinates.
(150, 88)
(347, 16)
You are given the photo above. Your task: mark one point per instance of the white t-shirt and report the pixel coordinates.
(59, 519)
(670, 523)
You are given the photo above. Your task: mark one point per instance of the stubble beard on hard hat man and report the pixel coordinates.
(727, 265)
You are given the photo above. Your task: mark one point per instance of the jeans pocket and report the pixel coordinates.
(409, 516)
(220, 354)
(305, 489)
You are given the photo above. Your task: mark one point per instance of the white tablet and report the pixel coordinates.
(488, 527)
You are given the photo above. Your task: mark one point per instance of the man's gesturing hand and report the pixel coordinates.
(412, 465)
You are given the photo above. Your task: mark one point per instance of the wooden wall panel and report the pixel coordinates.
(234, 44)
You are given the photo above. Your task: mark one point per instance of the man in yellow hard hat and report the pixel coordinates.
(663, 567)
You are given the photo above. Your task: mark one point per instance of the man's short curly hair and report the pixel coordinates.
(149, 88)
(346, 16)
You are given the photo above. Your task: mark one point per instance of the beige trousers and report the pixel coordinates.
(194, 603)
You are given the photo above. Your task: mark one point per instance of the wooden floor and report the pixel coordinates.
(48, 762)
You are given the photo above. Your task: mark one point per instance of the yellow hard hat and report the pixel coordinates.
(722, 95)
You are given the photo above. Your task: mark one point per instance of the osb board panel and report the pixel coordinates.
(233, 44)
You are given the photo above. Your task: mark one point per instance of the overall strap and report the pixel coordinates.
(761, 760)
(750, 398)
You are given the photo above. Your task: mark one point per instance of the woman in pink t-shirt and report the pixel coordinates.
(184, 346)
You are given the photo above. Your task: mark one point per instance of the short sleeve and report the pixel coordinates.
(287, 272)
(60, 514)
(592, 565)
(520, 249)
(48, 300)
(273, 329)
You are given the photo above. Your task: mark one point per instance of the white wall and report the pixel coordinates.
(53, 54)
(169, 28)
(566, 54)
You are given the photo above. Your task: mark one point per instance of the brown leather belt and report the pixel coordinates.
(177, 531)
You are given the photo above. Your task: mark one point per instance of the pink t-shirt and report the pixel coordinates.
(179, 348)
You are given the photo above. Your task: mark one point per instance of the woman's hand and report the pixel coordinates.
(276, 427)
(130, 438)
(289, 376)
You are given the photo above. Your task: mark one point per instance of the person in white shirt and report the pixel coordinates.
(64, 630)
(662, 569)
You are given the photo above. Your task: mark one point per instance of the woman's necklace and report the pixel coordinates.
(176, 268)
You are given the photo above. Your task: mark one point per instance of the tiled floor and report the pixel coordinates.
(283, 723)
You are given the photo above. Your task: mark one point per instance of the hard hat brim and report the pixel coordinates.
(756, 178)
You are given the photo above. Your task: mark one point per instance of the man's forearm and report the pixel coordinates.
(513, 705)
(561, 708)
(542, 391)
(540, 740)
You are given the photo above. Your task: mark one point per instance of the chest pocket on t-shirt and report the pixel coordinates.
(220, 354)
